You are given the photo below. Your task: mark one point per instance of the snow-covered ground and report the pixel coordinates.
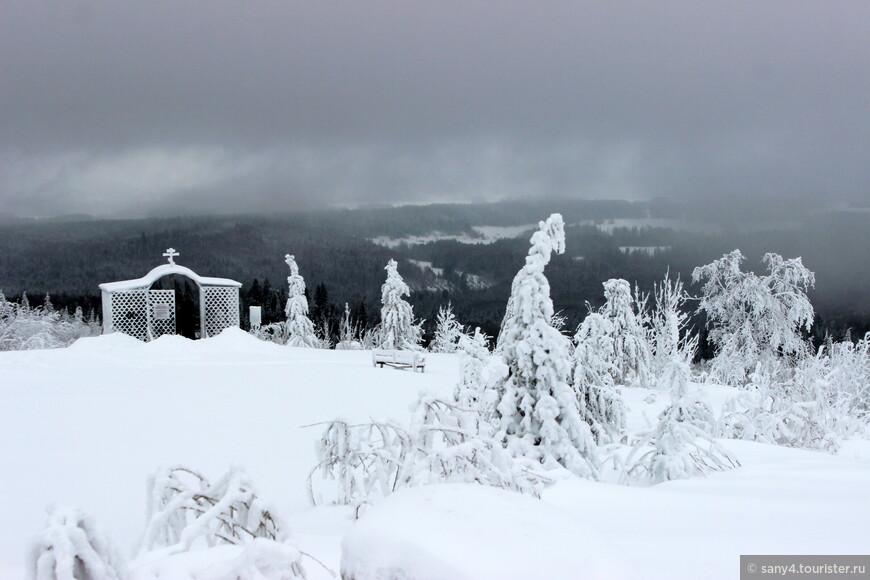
(85, 425)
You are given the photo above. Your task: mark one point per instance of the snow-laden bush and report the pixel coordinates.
(184, 508)
(754, 319)
(447, 331)
(348, 333)
(443, 443)
(538, 413)
(781, 406)
(600, 402)
(845, 374)
(811, 404)
(398, 330)
(370, 338)
(671, 336)
(72, 547)
(682, 443)
(26, 328)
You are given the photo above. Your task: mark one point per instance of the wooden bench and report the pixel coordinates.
(399, 359)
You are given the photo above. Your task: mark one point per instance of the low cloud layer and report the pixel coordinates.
(161, 106)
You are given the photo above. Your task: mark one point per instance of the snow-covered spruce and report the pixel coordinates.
(600, 402)
(682, 444)
(631, 350)
(300, 329)
(538, 413)
(754, 318)
(184, 508)
(72, 547)
(447, 331)
(471, 390)
(398, 329)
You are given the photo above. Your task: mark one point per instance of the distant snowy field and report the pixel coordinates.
(485, 235)
(86, 425)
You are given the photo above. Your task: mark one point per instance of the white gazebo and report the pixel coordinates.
(132, 307)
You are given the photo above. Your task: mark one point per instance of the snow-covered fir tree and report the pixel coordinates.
(447, 331)
(398, 329)
(299, 328)
(600, 402)
(631, 350)
(754, 318)
(470, 391)
(538, 413)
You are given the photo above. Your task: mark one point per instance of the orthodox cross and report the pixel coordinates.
(171, 253)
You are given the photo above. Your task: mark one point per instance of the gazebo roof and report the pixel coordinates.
(164, 270)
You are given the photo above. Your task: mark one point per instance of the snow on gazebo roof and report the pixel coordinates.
(164, 270)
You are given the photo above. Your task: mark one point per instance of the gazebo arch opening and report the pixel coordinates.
(188, 310)
(170, 299)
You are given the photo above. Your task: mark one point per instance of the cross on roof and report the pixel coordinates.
(171, 253)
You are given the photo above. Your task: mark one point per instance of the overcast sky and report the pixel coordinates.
(132, 107)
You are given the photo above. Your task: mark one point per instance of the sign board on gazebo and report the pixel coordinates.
(134, 308)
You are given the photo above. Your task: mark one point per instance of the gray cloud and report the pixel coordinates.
(139, 106)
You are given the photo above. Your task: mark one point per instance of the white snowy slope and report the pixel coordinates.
(86, 425)
(476, 533)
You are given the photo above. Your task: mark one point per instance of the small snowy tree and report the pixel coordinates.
(600, 402)
(671, 337)
(398, 329)
(471, 391)
(72, 547)
(538, 413)
(300, 329)
(753, 318)
(631, 351)
(447, 331)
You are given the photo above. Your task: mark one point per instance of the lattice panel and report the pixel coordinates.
(130, 313)
(161, 312)
(221, 309)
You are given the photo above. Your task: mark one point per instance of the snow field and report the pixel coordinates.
(86, 425)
